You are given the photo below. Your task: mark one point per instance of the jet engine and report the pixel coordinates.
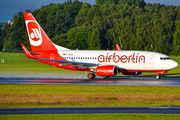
(107, 70)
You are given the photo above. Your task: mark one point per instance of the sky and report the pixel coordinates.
(8, 8)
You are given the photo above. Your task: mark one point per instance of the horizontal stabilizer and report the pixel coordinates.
(26, 51)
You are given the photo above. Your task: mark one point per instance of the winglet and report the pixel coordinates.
(26, 51)
(117, 47)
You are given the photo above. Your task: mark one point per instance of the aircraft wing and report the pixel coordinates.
(117, 47)
(74, 64)
(70, 62)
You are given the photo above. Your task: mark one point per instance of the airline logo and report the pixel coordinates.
(34, 33)
(105, 71)
(134, 58)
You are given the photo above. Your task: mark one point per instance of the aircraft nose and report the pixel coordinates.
(173, 64)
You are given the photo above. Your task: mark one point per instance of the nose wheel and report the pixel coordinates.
(158, 77)
(91, 75)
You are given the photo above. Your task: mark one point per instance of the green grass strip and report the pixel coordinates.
(92, 117)
(14, 96)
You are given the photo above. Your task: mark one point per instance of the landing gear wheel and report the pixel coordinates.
(91, 76)
(106, 77)
(158, 77)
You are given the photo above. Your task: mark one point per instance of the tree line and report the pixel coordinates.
(135, 24)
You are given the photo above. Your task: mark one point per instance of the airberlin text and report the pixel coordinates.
(134, 58)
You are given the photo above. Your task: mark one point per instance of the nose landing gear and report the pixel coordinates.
(158, 77)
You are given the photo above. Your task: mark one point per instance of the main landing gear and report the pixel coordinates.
(158, 77)
(91, 75)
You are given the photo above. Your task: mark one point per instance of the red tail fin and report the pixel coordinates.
(38, 39)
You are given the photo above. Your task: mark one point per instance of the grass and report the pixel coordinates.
(17, 64)
(14, 96)
(93, 117)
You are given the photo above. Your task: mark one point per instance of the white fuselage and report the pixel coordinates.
(129, 60)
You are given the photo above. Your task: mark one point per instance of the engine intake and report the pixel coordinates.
(107, 70)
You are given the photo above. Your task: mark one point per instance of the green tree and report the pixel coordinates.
(72, 24)
(95, 42)
(176, 41)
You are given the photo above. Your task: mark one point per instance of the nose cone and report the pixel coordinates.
(173, 64)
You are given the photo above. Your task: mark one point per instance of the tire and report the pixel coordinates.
(91, 76)
(158, 77)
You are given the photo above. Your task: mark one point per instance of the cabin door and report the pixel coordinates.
(151, 60)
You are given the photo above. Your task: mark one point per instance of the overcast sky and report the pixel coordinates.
(8, 8)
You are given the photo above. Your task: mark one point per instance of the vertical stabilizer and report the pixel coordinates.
(38, 39)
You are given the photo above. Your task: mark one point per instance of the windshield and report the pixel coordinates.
(164, 58)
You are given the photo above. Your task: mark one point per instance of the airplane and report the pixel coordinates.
(100, 62)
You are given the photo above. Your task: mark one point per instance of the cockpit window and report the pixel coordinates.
(164, 58)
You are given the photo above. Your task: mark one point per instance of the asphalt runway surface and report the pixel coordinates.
(149, 81)
(90, 110)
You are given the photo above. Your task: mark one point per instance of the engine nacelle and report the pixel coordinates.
(131, 73)
(107, 70)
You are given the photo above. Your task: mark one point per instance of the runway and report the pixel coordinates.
(90, 110)
(99, 81)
